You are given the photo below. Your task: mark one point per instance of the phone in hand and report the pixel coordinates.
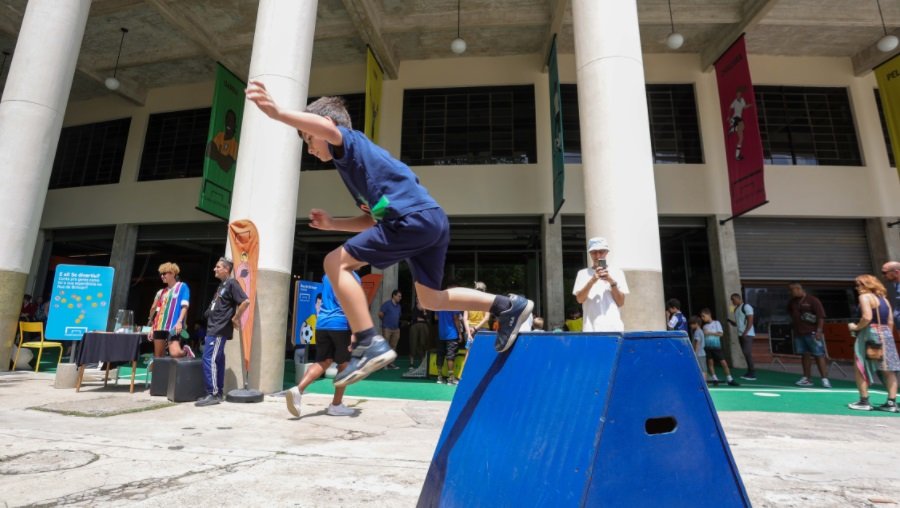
(600, 263)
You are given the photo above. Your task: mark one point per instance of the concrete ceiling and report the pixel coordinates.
(178, 41)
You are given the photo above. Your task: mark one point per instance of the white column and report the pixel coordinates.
(31, 116)
(620, 193)
(267, 177)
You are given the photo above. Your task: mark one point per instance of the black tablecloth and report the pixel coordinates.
(109, 347)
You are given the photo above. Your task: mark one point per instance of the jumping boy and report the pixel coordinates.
(400, 221)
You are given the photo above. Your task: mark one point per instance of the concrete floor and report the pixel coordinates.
(257, 454)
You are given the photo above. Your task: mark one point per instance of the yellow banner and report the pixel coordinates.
(888, 76)
(374, 76)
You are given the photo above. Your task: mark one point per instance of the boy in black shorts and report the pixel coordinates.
(400, 221)
(332, 345)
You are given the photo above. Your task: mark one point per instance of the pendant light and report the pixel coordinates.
(887, 43)
(458, 45)
(111, 82)
(675, 40)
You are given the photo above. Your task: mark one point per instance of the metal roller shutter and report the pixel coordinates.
(802, 249)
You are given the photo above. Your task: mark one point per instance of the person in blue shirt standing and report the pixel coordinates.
(449, 326)
(333, 339)
(675, 319)
(390, 321)
(400, 222)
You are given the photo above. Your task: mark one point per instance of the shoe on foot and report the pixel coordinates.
(860, 406)
(292, 398)
(365, 360)
(188, 352)
(440, 380)
(733, 383)
(749, 377)
(889, 406)
(826, 383)
(804, 381)
(339, 410)
(511, 320)
(207, 400)
(392, 367)
(452, 381)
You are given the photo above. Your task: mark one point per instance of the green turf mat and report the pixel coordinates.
(388, 384)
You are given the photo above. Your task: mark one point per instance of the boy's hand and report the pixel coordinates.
(320, 219)
(256, 92)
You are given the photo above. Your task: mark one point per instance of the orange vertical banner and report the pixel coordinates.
(244, 241)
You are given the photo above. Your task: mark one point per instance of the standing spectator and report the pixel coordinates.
(875, 324)
(167, 315)
(712, 337)
(675, 320)
(223, 316)
(333, 339)
(42, 309)
(28, 309)
(807, 321)
(419, 336)
(891, 272)
(698, 342)
(475, 320)
(449, 326)
(575, 323)
(743, 321)
(390, 322)
(601, 290)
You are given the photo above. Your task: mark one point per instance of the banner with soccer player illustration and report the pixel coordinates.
(743, 145)
(220, 161)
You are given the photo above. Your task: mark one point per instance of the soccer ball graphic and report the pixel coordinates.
(307, 331)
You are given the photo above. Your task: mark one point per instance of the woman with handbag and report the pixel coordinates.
(874, 348)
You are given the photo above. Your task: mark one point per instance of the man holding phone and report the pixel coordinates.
(601, 290)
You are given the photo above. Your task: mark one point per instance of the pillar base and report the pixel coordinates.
(12, 286)
(644, 308)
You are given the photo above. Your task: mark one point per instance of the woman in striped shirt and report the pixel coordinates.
(168, 313)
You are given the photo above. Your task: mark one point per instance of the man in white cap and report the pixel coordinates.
(601, 290)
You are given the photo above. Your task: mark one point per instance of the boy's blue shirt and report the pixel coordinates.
(377, 180)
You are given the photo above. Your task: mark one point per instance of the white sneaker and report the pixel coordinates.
(804, 382)
(292, 397)
(826, 383)
(440, 380)
(339, 410)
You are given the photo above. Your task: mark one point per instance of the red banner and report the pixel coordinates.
(245, 251)
(743, 146)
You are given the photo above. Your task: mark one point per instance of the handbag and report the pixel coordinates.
(874, 348)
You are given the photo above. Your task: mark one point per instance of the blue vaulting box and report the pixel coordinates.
(581, 419)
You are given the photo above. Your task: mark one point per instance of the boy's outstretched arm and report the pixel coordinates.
(320, 219)
(309, 123)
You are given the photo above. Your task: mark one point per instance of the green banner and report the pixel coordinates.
(888, 77)
(220, 162)
(556, 130)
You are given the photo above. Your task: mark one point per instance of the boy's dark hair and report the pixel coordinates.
(733, 295)
(673, 302)
(706, 310)
(395, 293)
(695, 320)
(331, 107)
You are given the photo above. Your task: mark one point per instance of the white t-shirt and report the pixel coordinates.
(740, 317)
(738, 106)
(600, 312)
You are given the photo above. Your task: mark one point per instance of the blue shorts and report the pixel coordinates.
(420, 238)
(808, 344)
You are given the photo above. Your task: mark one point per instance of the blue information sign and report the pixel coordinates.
(305, 310)
(80, 301)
